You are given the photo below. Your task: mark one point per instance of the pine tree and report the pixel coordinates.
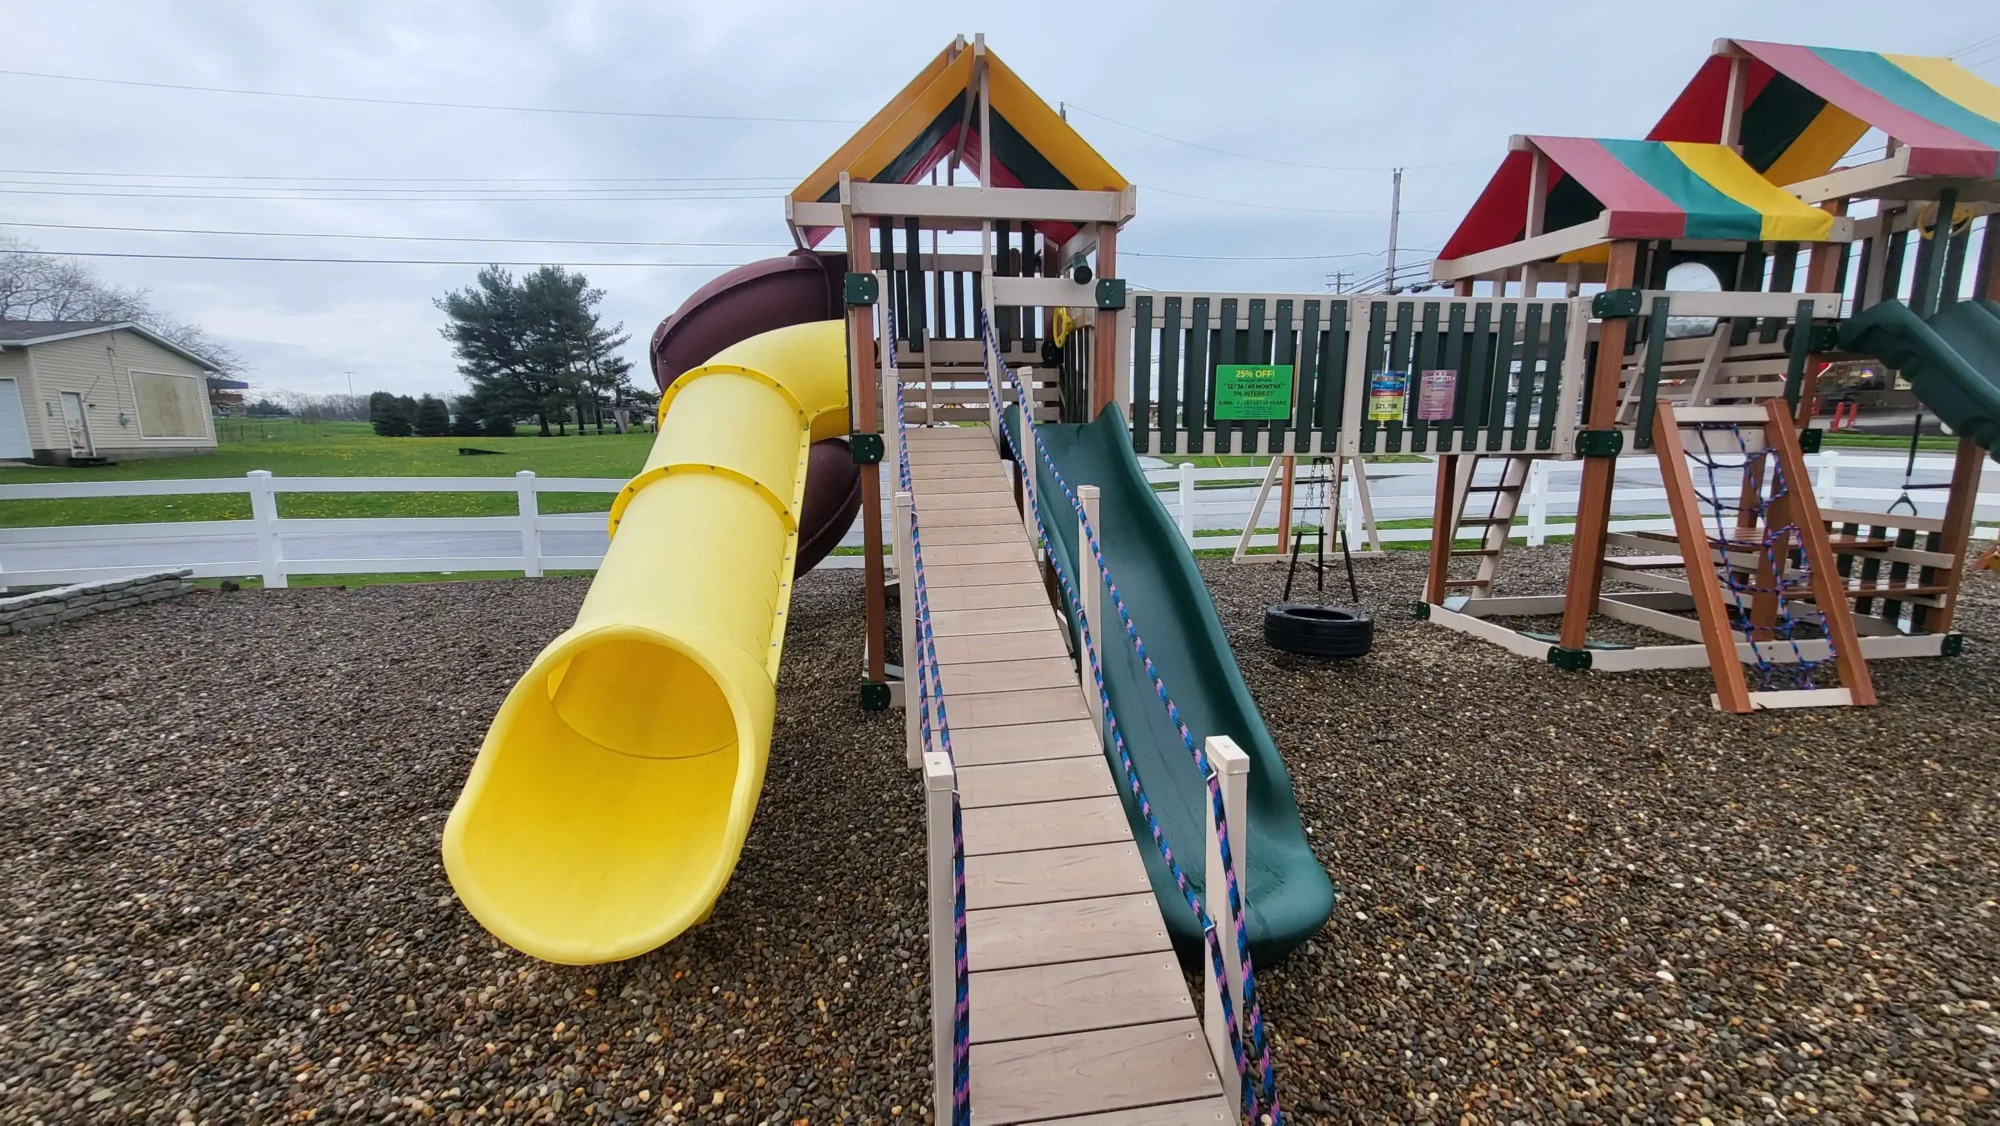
(433, 420)
(392, 416)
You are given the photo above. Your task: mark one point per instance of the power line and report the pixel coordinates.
(362, 261)
(395, 179)
(408, 191)
(1261, 159)
(379, 238)
(427, 104)
(1255, 257)
(396, 198)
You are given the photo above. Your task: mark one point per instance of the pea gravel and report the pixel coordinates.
(1565, 898)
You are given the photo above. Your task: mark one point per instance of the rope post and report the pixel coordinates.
(906, 589)
(1232, 767)
(939, 784)
(1092, 596)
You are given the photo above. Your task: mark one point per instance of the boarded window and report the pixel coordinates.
(170, 406)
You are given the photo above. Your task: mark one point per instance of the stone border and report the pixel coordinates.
(66, 604)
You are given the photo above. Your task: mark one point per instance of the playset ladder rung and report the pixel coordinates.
(1500, 488)
(1475, 551)
(1644, 562)
(1486, 522)
(1848, 545)
(1468, 582)
(1738, 416)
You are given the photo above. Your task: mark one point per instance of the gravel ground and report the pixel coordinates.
(1593, 899)
(224, 900)
(1565, 898)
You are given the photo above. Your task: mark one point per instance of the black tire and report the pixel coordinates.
(1319, 631)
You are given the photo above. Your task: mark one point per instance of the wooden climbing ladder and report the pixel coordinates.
(1747, 577)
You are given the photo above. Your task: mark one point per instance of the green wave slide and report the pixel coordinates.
(1951, 358)
(1289, 896)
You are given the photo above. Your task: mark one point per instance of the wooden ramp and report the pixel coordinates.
(1078, 1009)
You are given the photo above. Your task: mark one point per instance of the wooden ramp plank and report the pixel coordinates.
(1025, 742)
(930, 471)
(1007, 676)
(1090, 1072)
(1046, 824)
(984, 597)
(1053, 875)
(951, 537)
(1077, 997)
(1002, 619)
(996, 482)
(1000, 647)
(1201, 1112)
(1018, 783)
(951, 456)
(1005, 709)
(981, 574)
(1044, 934)
(1011, 550)
(958, 516)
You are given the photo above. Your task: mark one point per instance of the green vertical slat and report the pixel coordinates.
(1931, 259)
(1142, 374)
(1423, 355)
(913, 285)
(1476, 374)
(1250, 350)
(1378, 330)
(1899, 573)
(1871, 569)
(1989, 260)
(1283, 351)
(1862, 298)
(1524, 399)
(1784, 267)
(1545, 431)
(1795, 367)
(1200, 380)
(1226, 352)
(1401, 347)
(1170, 376)
(1749, 279)
(1954, 279)
(1454, 361)
(1331, 409)
(1649, 375)
(1003, 267)
(1499, 387)
(1897, 245)
(885, 259)
(1309, 359)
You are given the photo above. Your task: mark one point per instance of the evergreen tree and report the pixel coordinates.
(392, 416)
(433, 420)
(536, 348)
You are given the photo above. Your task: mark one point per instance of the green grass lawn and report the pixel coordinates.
(288, 448)
(1834, 441)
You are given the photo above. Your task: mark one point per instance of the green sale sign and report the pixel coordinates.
(1253, 392)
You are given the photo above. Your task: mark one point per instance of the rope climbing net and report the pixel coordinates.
(920, 653)
(1259, 1080)
(1767, 604)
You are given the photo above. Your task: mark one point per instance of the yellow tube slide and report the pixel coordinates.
(610, 800)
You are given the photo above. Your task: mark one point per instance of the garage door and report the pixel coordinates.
(13, 423)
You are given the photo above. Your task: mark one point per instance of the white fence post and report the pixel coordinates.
(264, 514)
(939, 782)
(1827, 479)
(1186, 509)
(1538, 502)
(1090, 580)
(1232, 768)
(531, 533)
(906, 589)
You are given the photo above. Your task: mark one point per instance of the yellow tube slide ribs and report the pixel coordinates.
(611, 798)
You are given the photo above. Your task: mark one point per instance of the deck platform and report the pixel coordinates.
(1079, 1010)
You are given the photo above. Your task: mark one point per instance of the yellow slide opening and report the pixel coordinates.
(611, 797)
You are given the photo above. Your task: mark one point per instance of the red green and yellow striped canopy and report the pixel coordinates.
(1647, 189)
(1805, 107)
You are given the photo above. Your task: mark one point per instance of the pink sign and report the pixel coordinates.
(1436, 394)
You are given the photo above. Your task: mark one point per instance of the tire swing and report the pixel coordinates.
(1319, 629)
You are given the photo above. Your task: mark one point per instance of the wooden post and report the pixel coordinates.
(1734, 97)
(1593, 506)
(1822, 276)
(1090, 584)
(1731, 695)
(1104, 373)
(939, 783)
(906, 585)
(1442, 529)
(1285, 487)
(860, 357)
(1957, 537)
(1828, 586)
(1232, 768)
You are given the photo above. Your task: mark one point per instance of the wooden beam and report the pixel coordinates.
(1442, 529)
(1593, 511)
(1957, 535)
(1104, 373)
(1541, 248)
(929, 202)
(1732, 695)
(1733, 99)
(862, 420)
(1803, 507)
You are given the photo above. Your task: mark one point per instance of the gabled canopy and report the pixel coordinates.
(1806, 106)
(1033, 147)
(1645, 190)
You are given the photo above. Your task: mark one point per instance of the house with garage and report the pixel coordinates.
(90, 392)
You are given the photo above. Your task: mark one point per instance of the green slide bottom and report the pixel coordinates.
(1289, 896)
(1951, 358)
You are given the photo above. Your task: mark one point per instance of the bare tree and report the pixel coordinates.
(42, 287)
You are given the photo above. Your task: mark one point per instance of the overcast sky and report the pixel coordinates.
(1435, 87)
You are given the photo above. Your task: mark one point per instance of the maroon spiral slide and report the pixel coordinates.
(758, 297)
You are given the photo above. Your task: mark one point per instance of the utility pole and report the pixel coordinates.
(350, 394)
(1395, 215)
(1339, 281)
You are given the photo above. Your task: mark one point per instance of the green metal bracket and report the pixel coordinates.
(1111, 293)
(874, 696)
(1600, 443)
(1569, 660)
(1809, 439)
(1422, 612)
(866, 448)
(863, 289)
(1615, 303)
(1820, 338)
(1953, 645)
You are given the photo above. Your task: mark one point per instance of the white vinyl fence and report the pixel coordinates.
(274, 547)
